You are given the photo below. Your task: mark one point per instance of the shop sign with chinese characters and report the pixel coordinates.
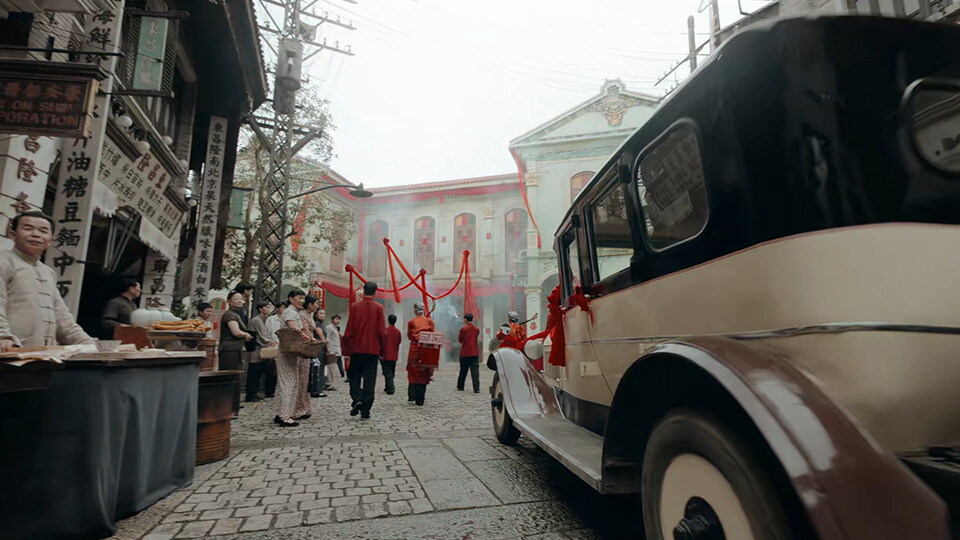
(148, 69)
(79, 161)
(209, 209)
(158, 282)
(55, 100)
(140, 184)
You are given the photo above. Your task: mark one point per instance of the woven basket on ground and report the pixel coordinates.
(293, 342)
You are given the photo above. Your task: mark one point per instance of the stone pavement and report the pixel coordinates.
(410, 472)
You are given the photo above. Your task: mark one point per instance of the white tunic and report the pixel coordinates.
(32, 312)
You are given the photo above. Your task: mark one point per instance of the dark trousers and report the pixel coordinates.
(317, 377)
(363, 379)
(254, 372)
(473, 364)
(340, 366)
(231, 361)
(270, 371)
(389, 369)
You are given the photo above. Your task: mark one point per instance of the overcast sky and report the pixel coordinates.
(438, 88)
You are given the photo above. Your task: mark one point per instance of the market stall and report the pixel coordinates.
(113, 433)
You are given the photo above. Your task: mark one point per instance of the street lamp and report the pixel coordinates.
(357, 192)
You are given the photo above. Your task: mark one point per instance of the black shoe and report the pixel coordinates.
(355, 409)
(330, 389)
(289, 424)
(252, 400)
(420, 402)
(304, 417)
(390, 392)
(365, 416)
(277, 420)
(320, 395)
(268, 396)
(460, 389)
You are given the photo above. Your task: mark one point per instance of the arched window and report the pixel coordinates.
(336, 257)
(376, 253)
(424, 235)
(464, 238)
(577, 182)
(516, 240)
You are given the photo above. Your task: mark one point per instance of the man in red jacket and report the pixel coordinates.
(469, 354)
(363, 336)
(390, 352)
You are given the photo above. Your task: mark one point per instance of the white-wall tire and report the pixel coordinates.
(503, 426)
(700, 476)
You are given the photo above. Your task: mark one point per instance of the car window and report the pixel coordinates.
(571, 255)
(672, 190)
(612, 239)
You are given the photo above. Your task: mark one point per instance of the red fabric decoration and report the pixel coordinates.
(580, 300)
(554, 329)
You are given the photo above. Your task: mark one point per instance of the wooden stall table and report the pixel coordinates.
(111, 435)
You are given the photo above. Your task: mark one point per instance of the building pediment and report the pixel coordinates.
(614, 111)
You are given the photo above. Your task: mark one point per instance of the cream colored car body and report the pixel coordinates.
(900, 386)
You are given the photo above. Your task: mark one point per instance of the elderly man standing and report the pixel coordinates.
(32, 312)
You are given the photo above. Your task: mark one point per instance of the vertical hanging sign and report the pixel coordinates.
(158, 281)
(148, 69)
(209, 209)
(79, 163)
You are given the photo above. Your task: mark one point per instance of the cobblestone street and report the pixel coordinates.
(410, 472)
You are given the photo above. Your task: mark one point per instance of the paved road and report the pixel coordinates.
(410, 472)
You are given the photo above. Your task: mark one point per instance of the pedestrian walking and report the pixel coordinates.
(364, 328)
(418, 376)
(390, 354)
(334, 351)
(469, 354)
(292, 399)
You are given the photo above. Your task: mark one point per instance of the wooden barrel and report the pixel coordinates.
(214, 411)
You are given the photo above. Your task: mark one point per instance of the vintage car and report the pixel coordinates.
(767, 341)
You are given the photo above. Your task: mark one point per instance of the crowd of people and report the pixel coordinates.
(353, 353)
(247, 344)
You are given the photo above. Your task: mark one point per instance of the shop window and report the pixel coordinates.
(464, 238)
(610, 232)
(516, 239)
(376, 253)
(425, 232)
(672, 190)
(578, 182)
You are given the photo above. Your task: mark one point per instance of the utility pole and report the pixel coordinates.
(293, 34)
(692, 43)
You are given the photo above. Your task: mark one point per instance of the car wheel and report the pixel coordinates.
(701, 482)
(502, 423)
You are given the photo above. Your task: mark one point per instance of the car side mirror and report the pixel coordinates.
(932, 112)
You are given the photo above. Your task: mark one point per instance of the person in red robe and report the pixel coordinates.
(390, 351)
(418, 376)
(516, 335)
(363, 337)
(469, 354)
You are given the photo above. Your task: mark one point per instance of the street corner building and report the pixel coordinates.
(121, 119)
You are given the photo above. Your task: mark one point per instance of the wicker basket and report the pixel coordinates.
(293, 342)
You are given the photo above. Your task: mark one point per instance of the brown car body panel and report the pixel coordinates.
(844, 481)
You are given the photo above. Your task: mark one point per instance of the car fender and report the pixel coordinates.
(847, 486)
(525, 392)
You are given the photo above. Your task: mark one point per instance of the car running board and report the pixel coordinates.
(535, 410)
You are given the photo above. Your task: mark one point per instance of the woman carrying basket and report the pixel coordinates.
(292, 398)
(418, 376)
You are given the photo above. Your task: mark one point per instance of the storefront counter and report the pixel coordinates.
(112, 434)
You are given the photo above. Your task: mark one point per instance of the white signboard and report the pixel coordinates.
(140, 184)
(158, 282)
(79, 162)
(24, 174)
(209, 209)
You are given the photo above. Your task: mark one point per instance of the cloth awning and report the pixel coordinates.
(152, 236)
(104, 200)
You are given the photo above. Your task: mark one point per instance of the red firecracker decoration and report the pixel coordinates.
(489, 236)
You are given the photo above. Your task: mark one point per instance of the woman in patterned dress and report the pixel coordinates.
(291, 388)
